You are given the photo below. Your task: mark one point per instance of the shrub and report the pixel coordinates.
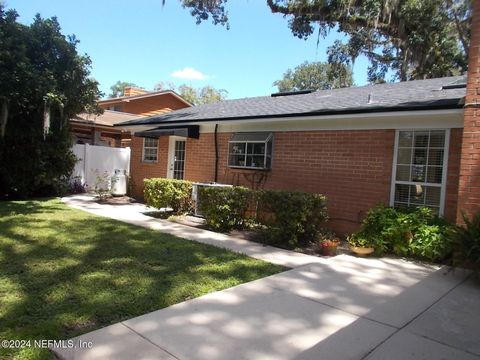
(224, 208)
(292, 217)
(76, 186)
(42, 73)
(432, 242)
(467, 243)
(360, 240)
(103, 184)
(168, 193)
(413, 232)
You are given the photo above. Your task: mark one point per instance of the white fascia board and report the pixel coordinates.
(451, 118)
(136, 128)
(448, 118)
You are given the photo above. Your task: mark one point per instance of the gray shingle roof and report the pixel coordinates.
(417, 94)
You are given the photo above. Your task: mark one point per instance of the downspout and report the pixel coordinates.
(216, 154)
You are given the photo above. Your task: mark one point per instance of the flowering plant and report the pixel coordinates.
(330, 243)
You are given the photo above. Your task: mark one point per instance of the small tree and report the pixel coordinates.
(315, 76)
(118, 88)
(204, 95)
(197, 96)
(44, 83)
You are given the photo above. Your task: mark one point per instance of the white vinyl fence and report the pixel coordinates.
(95, 160)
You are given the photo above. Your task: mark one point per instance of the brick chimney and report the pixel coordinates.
(132, 91)
(469, 184)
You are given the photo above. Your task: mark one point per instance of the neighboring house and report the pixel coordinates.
(98, 129)
(394, 143)
(141, 102)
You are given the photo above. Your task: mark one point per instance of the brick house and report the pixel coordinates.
(408, 143)
(141, 102)
(396, 143)
(98, 129)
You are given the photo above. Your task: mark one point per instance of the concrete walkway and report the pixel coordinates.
(340, 308)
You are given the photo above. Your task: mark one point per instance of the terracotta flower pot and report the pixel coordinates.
(362, 251)
(330, 250)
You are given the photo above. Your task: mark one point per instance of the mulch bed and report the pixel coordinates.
(249, 235)
(117, 200)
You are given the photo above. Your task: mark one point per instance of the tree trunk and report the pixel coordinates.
(3, 116)
(46, 120)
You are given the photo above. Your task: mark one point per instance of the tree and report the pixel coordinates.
(204, 95)
(414, 39)
(44, 84)
(118, 88)
(197, 96)
(315, 76)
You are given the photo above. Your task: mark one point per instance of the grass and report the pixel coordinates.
(64, 272)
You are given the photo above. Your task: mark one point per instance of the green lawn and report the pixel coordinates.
(64, 272)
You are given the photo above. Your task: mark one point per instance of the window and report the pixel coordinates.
(150, 149)
(419, 169)
(250, 150)
(179, 160)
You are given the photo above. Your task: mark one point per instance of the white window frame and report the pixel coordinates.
(171, 155)
(442, 186)
(149, 147)
(117, 108)
(267, 142)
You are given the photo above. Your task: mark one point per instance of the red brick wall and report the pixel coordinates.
(352, 168)
(132, 90)
(469, 183)
(140, 170)
(148, 105)
(453, 170)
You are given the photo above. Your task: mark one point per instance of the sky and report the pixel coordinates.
(144, 42)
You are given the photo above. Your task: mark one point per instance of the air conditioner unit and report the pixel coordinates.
(196, 198)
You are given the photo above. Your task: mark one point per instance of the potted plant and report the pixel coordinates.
(329, 247)
(360, 245)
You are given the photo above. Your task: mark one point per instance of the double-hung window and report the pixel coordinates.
(250, 150)
(420, 166)
(150, 149)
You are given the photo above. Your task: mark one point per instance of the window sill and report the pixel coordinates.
(149, 161)
(248, 168)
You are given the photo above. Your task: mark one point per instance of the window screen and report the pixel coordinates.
(250, 150)
(150, 149)
(419, 168)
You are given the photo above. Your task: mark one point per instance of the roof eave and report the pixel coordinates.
(457, 104)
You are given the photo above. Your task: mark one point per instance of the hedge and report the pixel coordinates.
(292, 217)
(224, 208)
(168, 193)
(467, 243)
(288, 217)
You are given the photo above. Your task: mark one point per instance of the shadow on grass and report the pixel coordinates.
(27, 207)
(64, 272)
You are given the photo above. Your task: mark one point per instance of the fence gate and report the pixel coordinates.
(94, 160)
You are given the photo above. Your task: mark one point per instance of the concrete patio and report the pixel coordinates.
(338, 308)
